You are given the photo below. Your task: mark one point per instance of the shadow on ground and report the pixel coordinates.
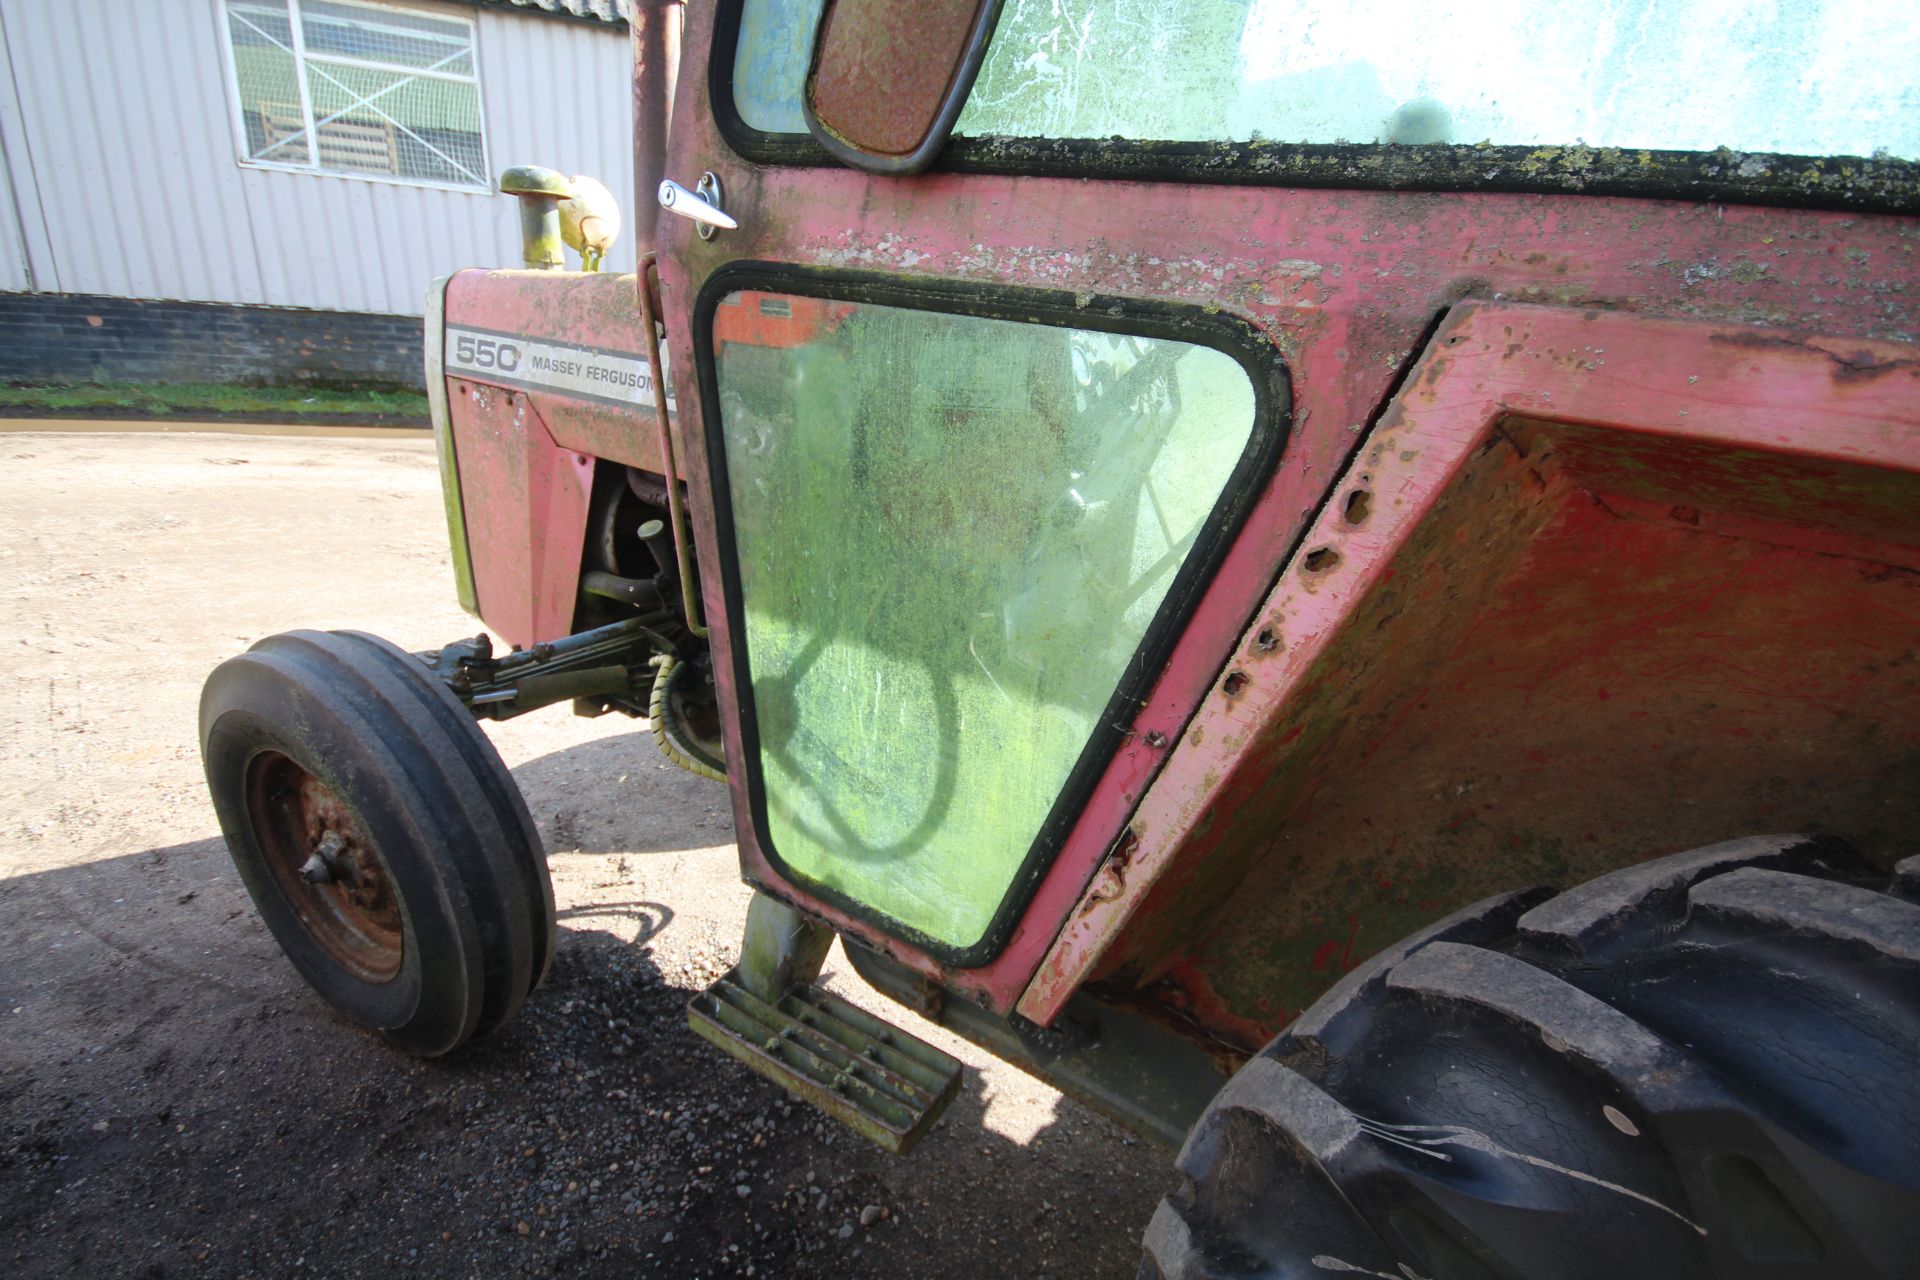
(575, 797)
(174, 1102)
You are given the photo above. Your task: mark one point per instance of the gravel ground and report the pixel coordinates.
(175, 1102)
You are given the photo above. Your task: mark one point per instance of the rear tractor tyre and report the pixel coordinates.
(381, 838)
(1707, 1065)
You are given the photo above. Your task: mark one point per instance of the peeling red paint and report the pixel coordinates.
(1454, 424)
(526, 502)
(1620, 343)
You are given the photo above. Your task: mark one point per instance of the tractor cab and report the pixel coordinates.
(1341, 582)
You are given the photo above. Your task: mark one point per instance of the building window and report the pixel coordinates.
(336, 86)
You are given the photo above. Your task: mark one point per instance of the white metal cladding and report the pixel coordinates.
(13, 244)
(127, 179)
(17, 200)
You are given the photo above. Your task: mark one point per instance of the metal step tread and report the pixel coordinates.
(885, 1083)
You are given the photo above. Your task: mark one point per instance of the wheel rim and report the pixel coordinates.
(326, 867)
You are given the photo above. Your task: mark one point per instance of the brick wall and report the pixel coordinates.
(46, 337)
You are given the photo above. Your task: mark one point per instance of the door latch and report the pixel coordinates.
(702, 204)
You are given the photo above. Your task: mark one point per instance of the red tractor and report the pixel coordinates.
(1284, 567)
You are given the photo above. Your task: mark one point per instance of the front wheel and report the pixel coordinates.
(1707, 1065)
(381, 838)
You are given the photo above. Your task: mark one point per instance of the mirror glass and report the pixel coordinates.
(888, 77)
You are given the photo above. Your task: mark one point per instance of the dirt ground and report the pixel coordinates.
(175, 1102)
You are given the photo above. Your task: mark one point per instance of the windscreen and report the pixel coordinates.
(1803, 78)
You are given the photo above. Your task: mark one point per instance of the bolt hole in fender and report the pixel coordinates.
(380, 836)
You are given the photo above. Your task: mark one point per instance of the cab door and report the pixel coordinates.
(967, 500)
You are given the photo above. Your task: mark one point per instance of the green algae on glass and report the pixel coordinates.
(1572, 75)
(1559, 89)
(770, 62)
(953, 533)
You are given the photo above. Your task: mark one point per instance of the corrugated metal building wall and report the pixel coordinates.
(13, 248)
(123, 178)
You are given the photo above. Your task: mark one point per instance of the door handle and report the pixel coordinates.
(702, 204)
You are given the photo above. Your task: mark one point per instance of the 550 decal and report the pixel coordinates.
(474, 351)
(589, 373)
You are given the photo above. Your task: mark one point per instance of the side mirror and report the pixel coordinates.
(888, 78)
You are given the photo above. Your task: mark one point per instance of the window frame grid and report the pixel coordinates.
(310, 127)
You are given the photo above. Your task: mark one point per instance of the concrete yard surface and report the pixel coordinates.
(175, 1102)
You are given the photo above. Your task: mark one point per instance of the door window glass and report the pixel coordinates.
(952, 534)
(770, 62)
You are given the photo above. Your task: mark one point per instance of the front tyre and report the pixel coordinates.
(381, 838)
(1707, 1065)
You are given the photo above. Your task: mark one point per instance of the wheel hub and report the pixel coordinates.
(326, 867)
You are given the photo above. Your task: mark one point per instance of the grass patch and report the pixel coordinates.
(185, 399)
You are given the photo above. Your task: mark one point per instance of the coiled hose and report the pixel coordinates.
(674, 742)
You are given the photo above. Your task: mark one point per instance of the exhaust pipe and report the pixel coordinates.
(540, 191)
(656, 73)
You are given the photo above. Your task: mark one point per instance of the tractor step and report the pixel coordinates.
(886, 1084)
